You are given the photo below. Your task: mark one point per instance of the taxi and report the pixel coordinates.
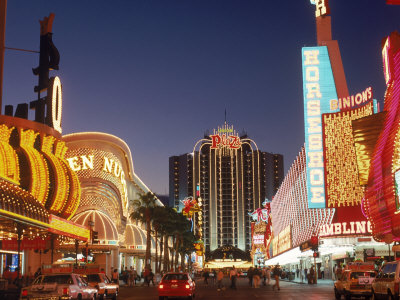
(60, 286)
(355, 281)
(103, 284)
(176, 284)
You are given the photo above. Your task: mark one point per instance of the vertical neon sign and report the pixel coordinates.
(318, 89)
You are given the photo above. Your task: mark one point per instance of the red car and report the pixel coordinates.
(176, 285)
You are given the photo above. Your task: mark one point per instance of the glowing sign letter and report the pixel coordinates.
(216, 140)
(386, 65)
(54, 104)
(321, 8)
(311, 57)
(313, 90)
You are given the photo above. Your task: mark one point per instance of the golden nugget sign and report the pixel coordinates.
(107, 165)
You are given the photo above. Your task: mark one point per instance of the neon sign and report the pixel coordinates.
(321, 7)
(345, 228)
(109, 165)
(318, 88)
(351, 101)
(224, 141)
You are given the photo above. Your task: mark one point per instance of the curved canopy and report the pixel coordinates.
(136, 236)
(228, 252)
(107, 231)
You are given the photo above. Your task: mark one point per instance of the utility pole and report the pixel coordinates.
(3, 10)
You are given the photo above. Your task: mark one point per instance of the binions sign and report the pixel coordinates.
(346, 228)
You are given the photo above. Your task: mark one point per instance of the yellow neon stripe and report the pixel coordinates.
(9, 213)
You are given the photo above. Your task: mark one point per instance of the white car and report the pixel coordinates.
(386, 284)
(66, 286)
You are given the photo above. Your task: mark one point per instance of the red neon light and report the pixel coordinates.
(380, 202)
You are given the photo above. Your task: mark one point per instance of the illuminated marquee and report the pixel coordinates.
(108, 165)
(68, 228)
(258, 239)
(351, 101)
(380, 196)
(225, 138)
(342, 184)
(346, 228)
(283, 241)
(318, 88)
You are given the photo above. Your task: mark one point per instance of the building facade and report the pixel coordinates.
(231, 178)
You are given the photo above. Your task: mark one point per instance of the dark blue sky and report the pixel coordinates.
(159, 73)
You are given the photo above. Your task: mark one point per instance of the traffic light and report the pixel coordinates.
(95, 237)
(316, 254)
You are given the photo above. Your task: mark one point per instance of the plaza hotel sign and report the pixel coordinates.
(225, 138)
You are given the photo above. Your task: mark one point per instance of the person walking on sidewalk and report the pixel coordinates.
(276, 272)
(220, 277)
(232, 275)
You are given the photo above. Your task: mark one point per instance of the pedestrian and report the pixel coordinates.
(276, 272)
(134, 276)
(232, 275)
(214, 277)
(151, 278)
(146, 274)
(220, 277)
(115, 276)
(250, 276)
(206, 275)
(256, 277)
(312, 276)
(334, 272)
(264, 275)
(297, 272)
(322, 269)
(268, 275)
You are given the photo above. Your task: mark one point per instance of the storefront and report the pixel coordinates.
(104, 166)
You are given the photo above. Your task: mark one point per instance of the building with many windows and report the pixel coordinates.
(230, 178)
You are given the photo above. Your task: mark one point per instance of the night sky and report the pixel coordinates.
(158, 74)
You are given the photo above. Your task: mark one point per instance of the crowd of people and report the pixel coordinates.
(256, 276)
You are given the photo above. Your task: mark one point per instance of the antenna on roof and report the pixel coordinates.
(225, 115)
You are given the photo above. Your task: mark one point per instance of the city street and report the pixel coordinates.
(289, 290)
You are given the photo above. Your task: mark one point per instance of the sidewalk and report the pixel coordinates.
(319, 281)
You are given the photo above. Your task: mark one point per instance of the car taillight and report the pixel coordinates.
(187, 286)
(24, 293)
(161, 286)
(396, 287)
(65, 291)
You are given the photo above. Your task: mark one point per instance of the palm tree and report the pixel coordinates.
(143, 212)
(160, 219)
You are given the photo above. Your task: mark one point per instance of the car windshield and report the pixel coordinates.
(389, 269)
(60, 279)
(93, 278)
(355, 275)
(175, 277)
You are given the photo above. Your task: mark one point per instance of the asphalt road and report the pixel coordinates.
(289, 290)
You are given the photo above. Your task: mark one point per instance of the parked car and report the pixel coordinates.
(176, 285)
(354, 283)
(386, 284)
(106, 288)
(65, 286)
